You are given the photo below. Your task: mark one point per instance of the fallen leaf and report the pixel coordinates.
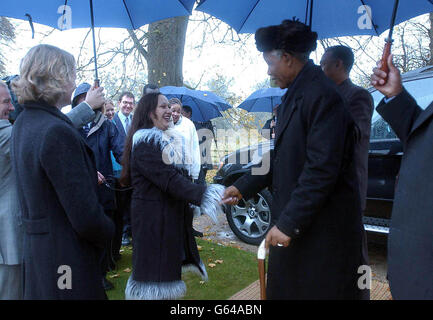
(127, 270)
(201, 282)
(211, 265)
(121, 250)
(219, 261)
(199, 248)
(114, 276)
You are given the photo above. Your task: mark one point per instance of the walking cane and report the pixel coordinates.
(261, 256)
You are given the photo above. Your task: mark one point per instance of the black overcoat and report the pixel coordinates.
(315, 194)
(64, 223)
(161, 221)
(410, 240)
(103, 138)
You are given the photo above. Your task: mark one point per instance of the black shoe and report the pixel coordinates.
(107, 284)
(125, 240)
(196, 233)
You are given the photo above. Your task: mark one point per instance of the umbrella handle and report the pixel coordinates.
(96, 83)
(385, 55)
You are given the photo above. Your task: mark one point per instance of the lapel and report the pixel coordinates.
(293, 98)
(423, 117)
(284, 115)
(119, 125)
(99, 120)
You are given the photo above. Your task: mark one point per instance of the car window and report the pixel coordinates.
(420, 89)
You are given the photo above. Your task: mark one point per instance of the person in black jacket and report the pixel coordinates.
(315, 239)
(410, 240)
(163, 244)
(65, 226)
(336, 63)
(103, 138)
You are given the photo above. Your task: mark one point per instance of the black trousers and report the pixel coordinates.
(107, 256)
(122, 217)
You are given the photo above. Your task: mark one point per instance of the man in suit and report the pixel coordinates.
(336, 63)
(123, 120)
(10, 227)
(410, 240)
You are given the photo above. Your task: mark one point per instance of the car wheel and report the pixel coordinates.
(250, 220)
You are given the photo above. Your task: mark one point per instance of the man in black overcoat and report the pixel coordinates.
(316, 214)
(410, 240)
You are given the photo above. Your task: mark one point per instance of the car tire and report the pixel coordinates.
(250, 220)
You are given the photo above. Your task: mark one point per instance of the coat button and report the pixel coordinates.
(296, 231)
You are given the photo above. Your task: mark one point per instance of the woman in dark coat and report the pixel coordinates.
(316, 208)
(65, 226)
(161, 218)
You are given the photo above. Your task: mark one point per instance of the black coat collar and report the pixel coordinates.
(292, 96)
(42, 105)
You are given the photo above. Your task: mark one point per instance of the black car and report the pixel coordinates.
(250, 220)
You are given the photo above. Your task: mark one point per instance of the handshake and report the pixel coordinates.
(274, 237)
(231, 196)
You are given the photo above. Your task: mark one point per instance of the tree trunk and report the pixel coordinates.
(165, 47)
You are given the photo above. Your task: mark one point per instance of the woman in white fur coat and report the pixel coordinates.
(163, 244)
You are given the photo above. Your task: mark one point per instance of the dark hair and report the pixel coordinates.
(290, 36)
(141, 120)
(127, 94)
(150, 88)
(344, 54)
(187, 109)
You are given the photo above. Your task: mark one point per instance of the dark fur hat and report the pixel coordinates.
(290, 36)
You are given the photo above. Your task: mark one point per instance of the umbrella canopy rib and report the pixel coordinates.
(249, 13)
(371, 18)
(129, 14)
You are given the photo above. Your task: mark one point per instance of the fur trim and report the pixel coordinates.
(170, 142)
(137, 290)
(196, 211)
(200, 270)
(210, 203)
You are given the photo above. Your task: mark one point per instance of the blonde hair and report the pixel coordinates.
(45, 72)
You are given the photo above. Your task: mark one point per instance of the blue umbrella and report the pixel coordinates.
(205, 105)
(329, 18)
(66, 14)
(263, 100)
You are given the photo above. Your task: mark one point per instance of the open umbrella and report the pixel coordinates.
(205, 105)
(263, 100)
(67, 14)
(329, 18)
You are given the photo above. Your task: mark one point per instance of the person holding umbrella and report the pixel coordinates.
(315, 241)
(56, 178)
(410, 239)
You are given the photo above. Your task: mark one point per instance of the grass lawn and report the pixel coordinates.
(229, 269)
